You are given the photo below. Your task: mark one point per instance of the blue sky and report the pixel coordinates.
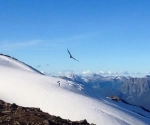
(106, 36)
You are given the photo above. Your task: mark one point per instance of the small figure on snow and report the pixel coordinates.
(58, 83)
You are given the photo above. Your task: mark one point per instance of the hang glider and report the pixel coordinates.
(71, 55)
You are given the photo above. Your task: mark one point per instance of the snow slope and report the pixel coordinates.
(24, 86)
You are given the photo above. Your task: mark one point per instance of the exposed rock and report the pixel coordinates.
(115, 98)
(12, 114)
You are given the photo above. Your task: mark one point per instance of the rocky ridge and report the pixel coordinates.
(12, 114)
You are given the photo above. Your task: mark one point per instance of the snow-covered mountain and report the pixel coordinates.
(25, 86)
(134, 90)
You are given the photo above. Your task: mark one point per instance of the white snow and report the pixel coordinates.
(22, 85)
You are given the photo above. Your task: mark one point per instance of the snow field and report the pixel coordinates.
(22, 85)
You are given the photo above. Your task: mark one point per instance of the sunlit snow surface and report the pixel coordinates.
(22, 85)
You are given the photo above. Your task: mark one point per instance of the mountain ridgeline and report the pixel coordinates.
(135, 91)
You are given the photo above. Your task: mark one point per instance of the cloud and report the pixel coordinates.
(70, 41)
(137, 73)
(87, 72)
(104, 73)
(101, 72)
(44, 44)
(22, 44)
(148, 72)
(66, 72)
(112, 73)
(60, 73)
(124, 72)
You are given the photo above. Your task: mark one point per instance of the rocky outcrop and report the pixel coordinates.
(137, 91)
(115, 98)
(12, 114)
(135, 86)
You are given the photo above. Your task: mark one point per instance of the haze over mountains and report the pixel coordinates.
(133, 90)
(73, 99)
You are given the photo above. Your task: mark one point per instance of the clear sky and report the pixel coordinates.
(106, 36)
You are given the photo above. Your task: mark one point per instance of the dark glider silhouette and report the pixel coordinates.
(71, 55)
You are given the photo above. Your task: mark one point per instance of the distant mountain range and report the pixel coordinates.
(70, 97)
(133, 90)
